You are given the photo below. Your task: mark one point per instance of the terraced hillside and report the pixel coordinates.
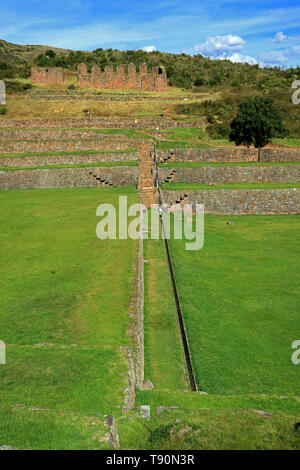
(84, 319)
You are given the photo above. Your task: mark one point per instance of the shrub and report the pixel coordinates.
(2, 109)
(217, 130)
(14, 86)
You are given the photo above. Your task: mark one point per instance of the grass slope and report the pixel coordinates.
(161, 325)
(241, 310)
(62, 328)
(211, 429)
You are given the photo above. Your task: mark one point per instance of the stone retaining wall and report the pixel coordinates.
(280, 155)
(66, 146)
(69, 178)
(12, 162)
(226, 154)
(59, 134)
(105, 122)
(239, 202)
(231, 174)
(208, 155)
(57, 96)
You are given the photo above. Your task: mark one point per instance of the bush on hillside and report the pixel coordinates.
(14, 86)
(257, 121)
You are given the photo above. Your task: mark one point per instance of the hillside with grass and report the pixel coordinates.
(213, 88)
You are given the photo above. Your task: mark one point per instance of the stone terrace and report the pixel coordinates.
(74, 142)
(82, 123)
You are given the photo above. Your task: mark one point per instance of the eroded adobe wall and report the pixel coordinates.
(69, 178)
(231, 174)
(51, 76)
(123, 78)
(239, 202)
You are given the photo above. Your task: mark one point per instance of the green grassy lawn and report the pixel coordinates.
(63, 378)
(167, 370)
(56, 271)
(240, 301)
(189, 138)
(71, 165)
(197, 400)
(211, 429)
(202, 186)
(287, 142)
(199, 138)
(27, 429)
(62, 328)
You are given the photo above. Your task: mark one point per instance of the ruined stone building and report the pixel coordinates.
(52, 76)
(121, 79)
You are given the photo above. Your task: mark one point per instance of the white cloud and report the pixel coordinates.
(226, 47)
(280, 57)
(237, 57)
(149, 48)
(275, 57)
(218, 45)
(279, 37)
(295, 50)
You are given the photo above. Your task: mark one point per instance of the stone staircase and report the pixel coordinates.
(146, 177)
(170, 177)
(101, 181)
(170, 157)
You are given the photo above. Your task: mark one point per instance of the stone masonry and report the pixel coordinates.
(239, 202)
(207, 155)
(231, 174)
(227, 154)
(69, 178)
(146, 175)
(51, 76)
(66, 146)
(56, 134)
(94, 123)
(124, 78)
(46, 160)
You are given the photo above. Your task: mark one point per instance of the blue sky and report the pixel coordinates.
(263, 31)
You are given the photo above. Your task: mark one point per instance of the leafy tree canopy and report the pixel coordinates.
(257, 121)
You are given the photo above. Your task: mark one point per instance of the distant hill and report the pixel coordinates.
(14, 54)
(183, 70)
(232, 81)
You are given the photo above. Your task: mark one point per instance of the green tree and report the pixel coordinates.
(257, 121)
(50, 53)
